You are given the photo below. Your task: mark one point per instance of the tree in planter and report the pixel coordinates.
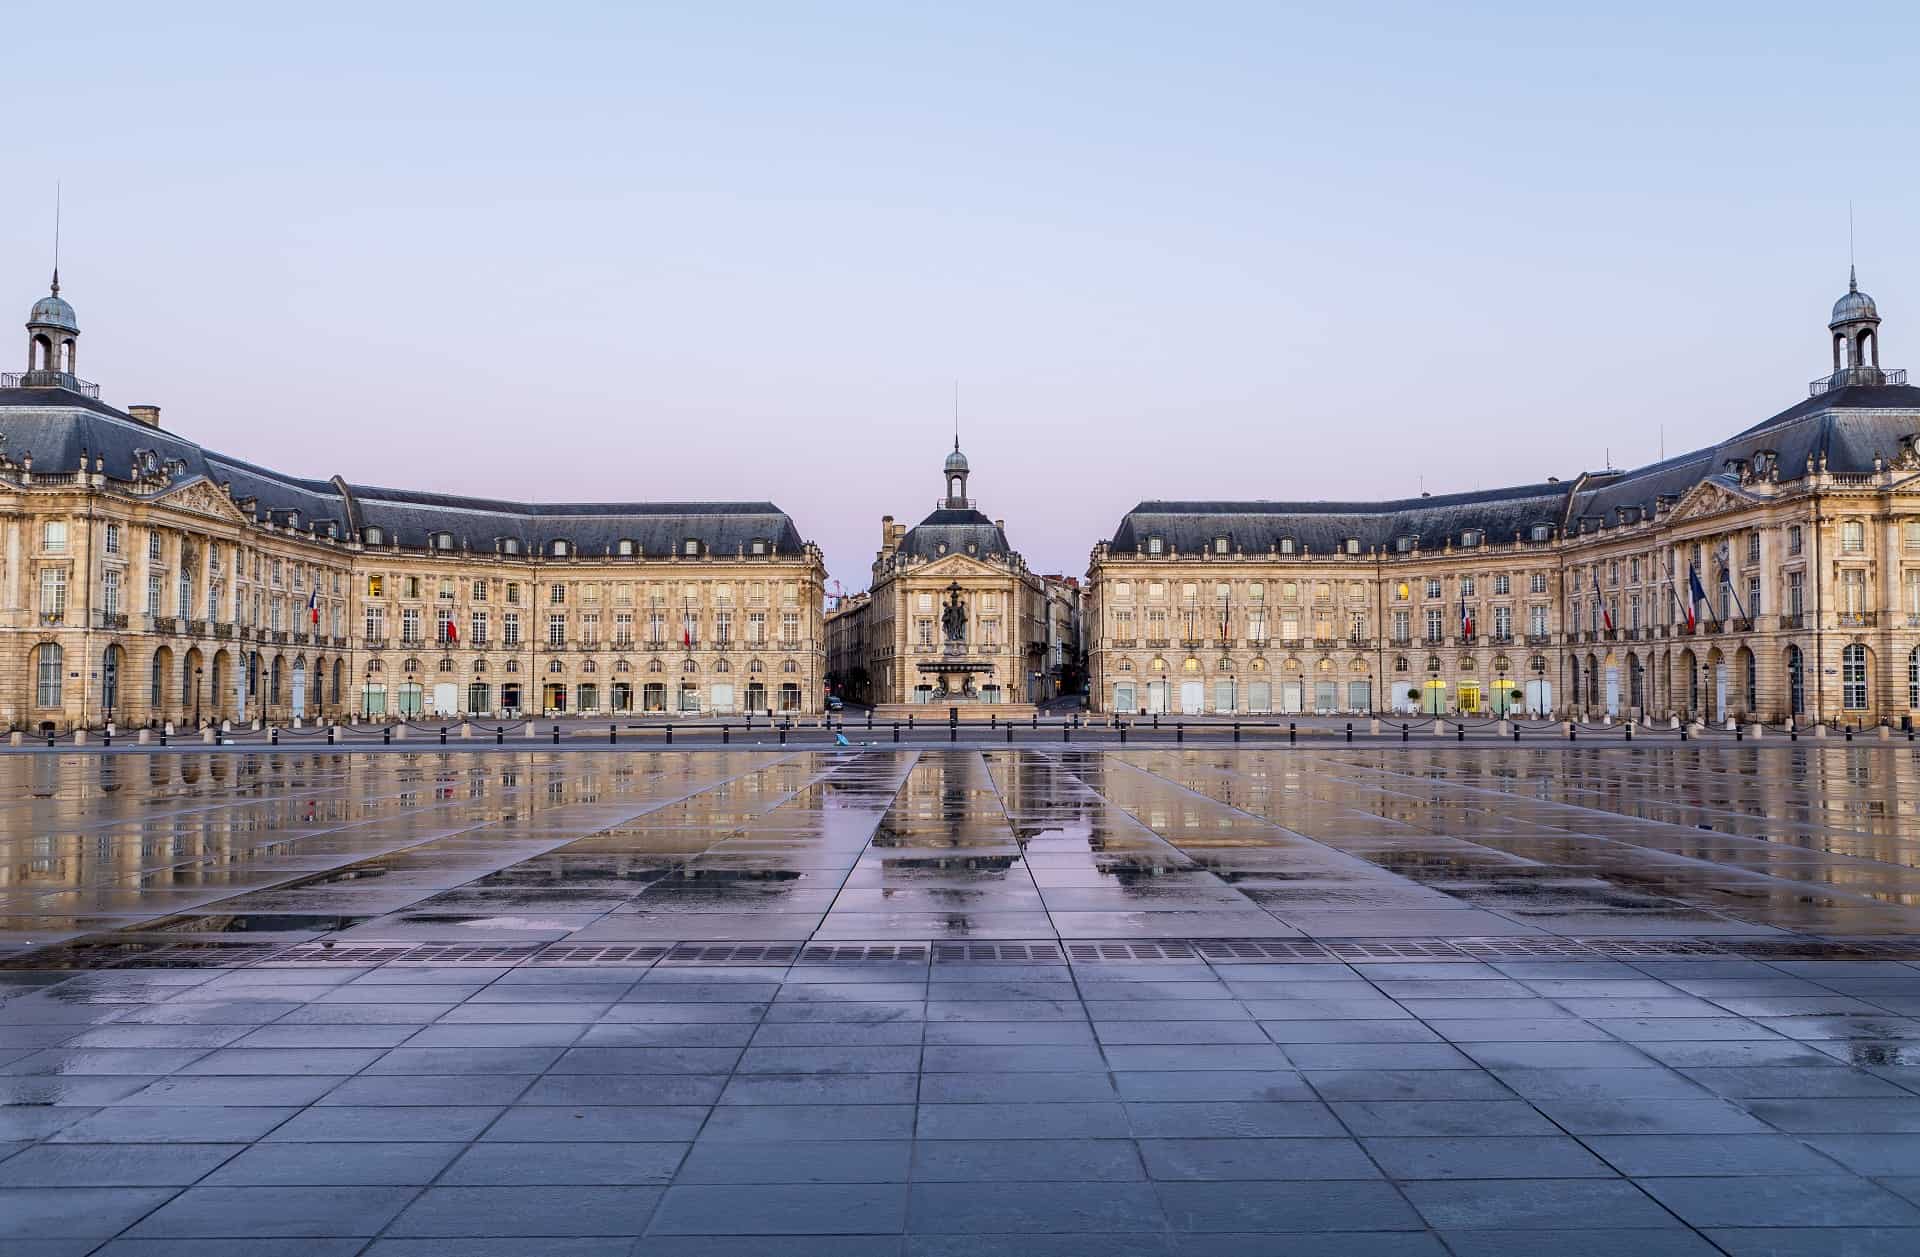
(1413, 694)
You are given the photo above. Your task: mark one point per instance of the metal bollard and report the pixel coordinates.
(670, 734)
(1036, 718)
(1156, 722)
(1516, 733)
(1066, 733)
(1236, 731)
(1629, 731)
(499, 735)
(1349, 730)
(613, 734)
(163, 736)
(1460, 732)
(1009, 733)
(273, 737)
(1403, 731)
(723, 735)
(1573, 734)
(386, 735)
(909, 720)
(783, 735)
(1123, 735)
(443, 735)
(1849, 733)
(1739, 735)
(953, 733)
(1179, 731)
(896, 731)
(992, 718)
(556, 735)
(1292, 733)
(1683, 733)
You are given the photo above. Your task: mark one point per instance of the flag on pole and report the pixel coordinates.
(1606, 615)
(1696, 595)
(1726, 578)
(313, 605)
(1466, 618)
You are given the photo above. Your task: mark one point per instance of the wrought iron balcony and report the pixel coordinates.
(50, 379)
(1858, 619)
(1856, 375)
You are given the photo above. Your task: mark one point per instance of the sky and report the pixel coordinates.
(576, 251)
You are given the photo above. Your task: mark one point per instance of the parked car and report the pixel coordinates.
(834, 703)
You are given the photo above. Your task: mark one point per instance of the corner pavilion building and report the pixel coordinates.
(1566, 597)
(147, 579)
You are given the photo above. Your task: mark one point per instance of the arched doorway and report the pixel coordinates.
(1796, 682)
(299, 697)
(112, 662)
(220, 685)
(1855, 667)
(1690, 683)
(1746, 679)
(159, 697)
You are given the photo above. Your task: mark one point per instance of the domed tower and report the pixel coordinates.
(1856, 338)
(52, 336)
(956, 472)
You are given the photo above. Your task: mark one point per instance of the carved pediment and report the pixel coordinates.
(959, 565)
(200, 497)
(1709, 497)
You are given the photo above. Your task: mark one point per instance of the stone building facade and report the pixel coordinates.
(1773, 575)
(953, 617)
(149, 580)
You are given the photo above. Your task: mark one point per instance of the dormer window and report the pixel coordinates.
(1542, 532)
(1156, 545)
(443, 541)
(1288, 545)
(559, 549)
(373, 536)
(509, 545)
(1403, 545)
(1353, 545)
(625, 548)
(758, 546)
(1220, 545)
(691, 548)
(1470, 538)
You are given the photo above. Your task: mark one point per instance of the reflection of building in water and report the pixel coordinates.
(1576, 596)
(149, 579)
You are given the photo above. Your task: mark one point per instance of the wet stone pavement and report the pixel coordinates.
(1376, 1002)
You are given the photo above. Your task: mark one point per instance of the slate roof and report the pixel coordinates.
(956, 530)
(55, 425)
(1846, 426)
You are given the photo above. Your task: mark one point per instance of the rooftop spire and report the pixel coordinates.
(56, 237)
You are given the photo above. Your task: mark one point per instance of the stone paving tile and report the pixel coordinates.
(1392, 1107)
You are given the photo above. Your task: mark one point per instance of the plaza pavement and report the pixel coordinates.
(955, 1001)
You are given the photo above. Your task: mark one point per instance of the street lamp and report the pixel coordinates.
(197, 670)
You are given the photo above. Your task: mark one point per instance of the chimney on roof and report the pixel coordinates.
(148, 415)
(1001, 524)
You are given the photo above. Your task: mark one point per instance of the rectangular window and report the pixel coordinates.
(756, 627)
(479, 631)
(53, 536)
(1433, 587)
(376, 623)
(410, 624)
(1537, 621)
(1633, 612)
(1853, 536)
(1466, 586)
(557, 629)
(1753, 547)
(153, 546)
(510, 628)
(1502, 623)
(184, 597)
(623, 628)
(1500, 586)
(442, 624)
(556, 595)
(1402, 628)
(1537, 583)
(53, 594)
(1436, 625)
(1853, 591)
(275, 573)
(446, 589)
(113, 539)
(376, 586)
(154, 594)
(789, 626)
(513, 593)
(52, 661)
(480, 590)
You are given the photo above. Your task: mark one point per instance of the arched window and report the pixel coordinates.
(1853, 678)
(721, 665)
(51, 670)
(1400, 663)
(479, 665)
(754, 665)
(555, 666)
(654, 665)
(689, 666)
(446, 665)
(789, 666)
(588, 666)
(513, 665)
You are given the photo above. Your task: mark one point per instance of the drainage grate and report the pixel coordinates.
(1525, 949)
(622, 954)
(408, 954)
(135, 953)
(732, 954)
(1147, 949)
(999, 953)
(1394, 949)
(857, 953)
(1655, 948)
(1260, 949)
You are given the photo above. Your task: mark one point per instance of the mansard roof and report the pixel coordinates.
(1842, 429)
(56, 425)
(955, 529)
